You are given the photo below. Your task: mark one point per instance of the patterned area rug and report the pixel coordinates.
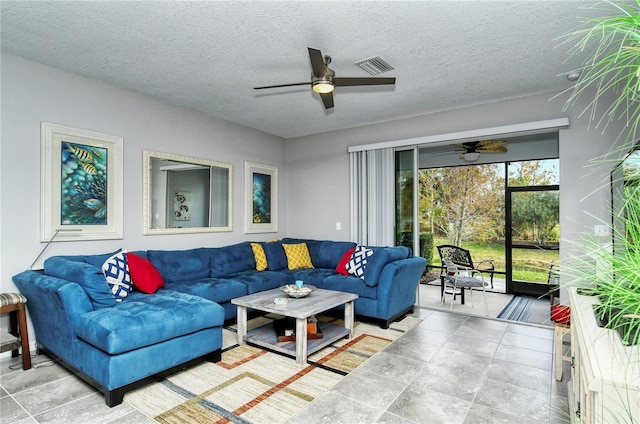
(253, 385)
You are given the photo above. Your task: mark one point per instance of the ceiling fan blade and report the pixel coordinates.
(491, 143)
(282, 85)
(467, 147)
(496, 149)
(317, 63)
(345, 82)
(327, 99)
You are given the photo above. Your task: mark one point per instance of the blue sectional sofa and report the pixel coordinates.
(120, 345)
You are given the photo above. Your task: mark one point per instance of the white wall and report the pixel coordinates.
(32, 93)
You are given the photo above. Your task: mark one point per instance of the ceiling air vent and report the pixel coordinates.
(375, 65)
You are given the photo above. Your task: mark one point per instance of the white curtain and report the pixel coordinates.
(373, 197)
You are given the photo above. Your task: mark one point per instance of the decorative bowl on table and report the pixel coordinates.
(292, 291)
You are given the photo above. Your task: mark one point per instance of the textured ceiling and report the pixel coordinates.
(208, 55)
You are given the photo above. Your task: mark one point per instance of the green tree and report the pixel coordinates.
(466, 202)
(427, 200)
(535, 215)
(531, 173)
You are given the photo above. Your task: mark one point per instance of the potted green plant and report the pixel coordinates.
(617, 282)
(612, 71)
(613, 66)
(613, 63)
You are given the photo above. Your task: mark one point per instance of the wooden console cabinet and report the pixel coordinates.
(605, 375)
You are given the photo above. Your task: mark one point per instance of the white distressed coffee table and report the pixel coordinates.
(315, 303)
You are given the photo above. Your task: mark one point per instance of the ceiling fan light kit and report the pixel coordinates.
(323, 79)
(471, 156)
(322, 85)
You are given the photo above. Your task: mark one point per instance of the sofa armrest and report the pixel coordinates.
(397, 285)
(53, 305)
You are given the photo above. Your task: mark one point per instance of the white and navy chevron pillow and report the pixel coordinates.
(116, 271)
(358, 261)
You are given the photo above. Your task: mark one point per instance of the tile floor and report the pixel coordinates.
(474, 303)
(451, 368)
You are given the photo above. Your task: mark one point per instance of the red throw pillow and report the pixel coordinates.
(342, 265)
(561, 314)
(144, 275)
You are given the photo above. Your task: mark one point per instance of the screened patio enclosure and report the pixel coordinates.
(501, 206)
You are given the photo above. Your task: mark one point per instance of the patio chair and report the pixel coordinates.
(553, 281)
(462, 258)
(456, 282)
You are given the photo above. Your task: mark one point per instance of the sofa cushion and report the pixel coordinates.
(116, 271)
(313, 276)
(220, 290)
(297, 255)
(144, 275)
(382, 256)
(330, 252)
(146, 320)
(231, 259)
(89, 277)
(261, 281)
(351, 284)
(177, 265)
(342, 265)
(259, 256)
(276, 258)
(324, 253)
(358, 261)
(312, 245)
(98, 260)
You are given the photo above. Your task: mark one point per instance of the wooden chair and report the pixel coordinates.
(17, 336)
(462, 259)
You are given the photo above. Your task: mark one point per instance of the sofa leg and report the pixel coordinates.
(114, 397)
(215, 356)
(384, 324)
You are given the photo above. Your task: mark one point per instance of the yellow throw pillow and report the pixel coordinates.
(260, 256)
(297, 256)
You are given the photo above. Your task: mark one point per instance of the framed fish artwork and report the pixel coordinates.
(82, 183)
(261, 202)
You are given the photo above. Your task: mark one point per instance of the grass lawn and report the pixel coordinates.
(528, 264)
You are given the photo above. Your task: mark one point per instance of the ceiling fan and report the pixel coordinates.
(323, 79)
(472, 149)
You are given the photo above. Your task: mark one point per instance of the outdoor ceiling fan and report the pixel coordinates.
(323, 79)
(472, 149)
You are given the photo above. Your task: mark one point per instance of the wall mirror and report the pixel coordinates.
(183, 194)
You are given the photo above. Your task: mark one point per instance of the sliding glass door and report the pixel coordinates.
(533, 225)
(407, 227)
